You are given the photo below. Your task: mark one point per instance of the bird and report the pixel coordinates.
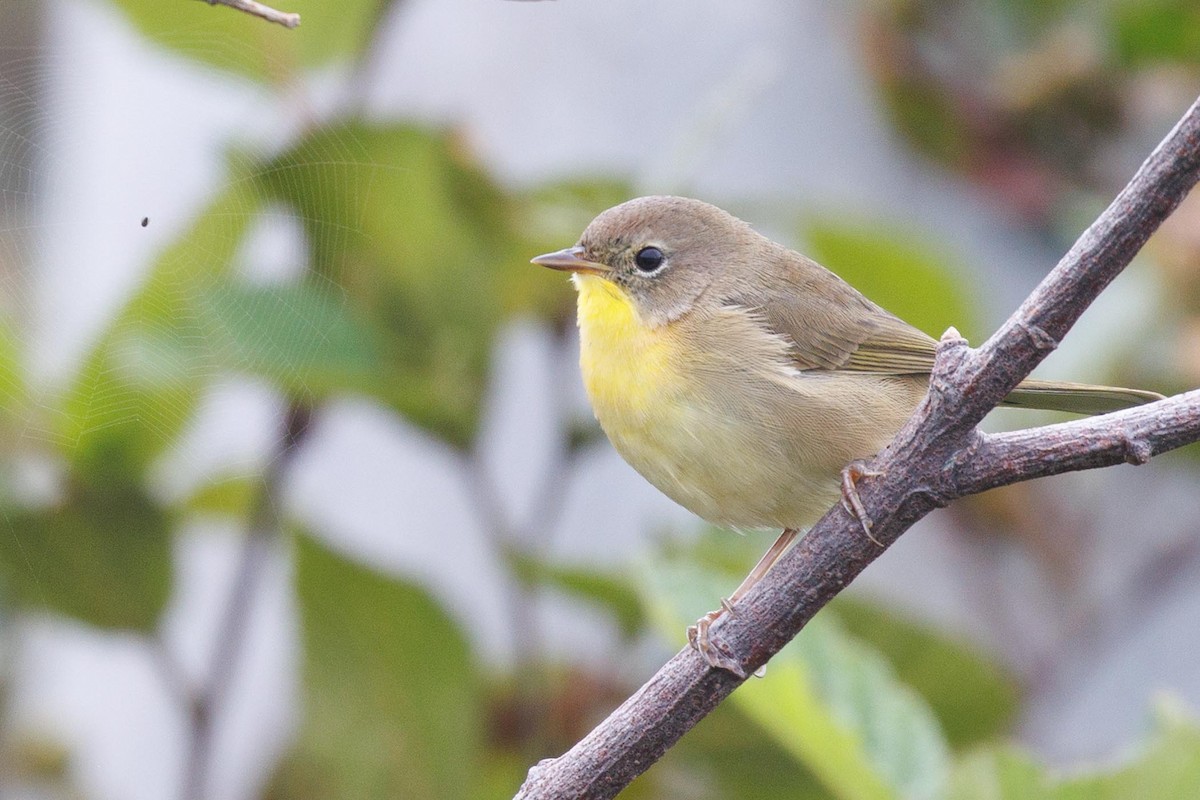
(744, 380)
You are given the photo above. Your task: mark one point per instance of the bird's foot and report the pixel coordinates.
(851, 501)
(710, 651)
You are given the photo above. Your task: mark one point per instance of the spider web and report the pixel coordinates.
(112, 153)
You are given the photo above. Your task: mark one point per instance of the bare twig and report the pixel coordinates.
(261, 534)
(285, 18)
(529, 535)
(938, 456)
(364, 74)
(1133, 436)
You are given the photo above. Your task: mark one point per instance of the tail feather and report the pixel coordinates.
(1077, 398)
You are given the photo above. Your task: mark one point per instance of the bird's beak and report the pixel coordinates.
(570, 260)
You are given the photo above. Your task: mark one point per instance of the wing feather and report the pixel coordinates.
(829, 325)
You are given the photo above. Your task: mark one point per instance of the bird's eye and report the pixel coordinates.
(649, 259)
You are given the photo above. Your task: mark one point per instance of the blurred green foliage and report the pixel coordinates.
(830, 700)
(302, 337)
(392, 704)
(873, 707)
(100, 553)
(1166, 768)
(1156, 32)
(227, 40)
(728, 755)
(13, 397)
(610, 592)
(100, 550)
(972, 697)
(424, 244)
(1028, 99)
(898, 270)
(140, 382)
(837, 707)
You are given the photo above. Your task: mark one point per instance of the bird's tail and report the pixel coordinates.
(1077, 398)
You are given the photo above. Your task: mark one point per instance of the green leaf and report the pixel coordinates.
(728, 756)
(431, 252)
(973, 698)
(827, 699)
(231, 40)
(897, 270)
(837, 705)
(103, 555)
(141, 380)
(609, 591)
(391, 693)
(227, 496)
(422, 242)
(927, 116)
(999, 773)
(1154, 32)
(1168, 768)
(13, 396)
(302, 338)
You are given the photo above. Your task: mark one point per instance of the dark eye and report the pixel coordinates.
(649, 259)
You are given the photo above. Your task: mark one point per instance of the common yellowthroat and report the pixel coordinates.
(741, 377)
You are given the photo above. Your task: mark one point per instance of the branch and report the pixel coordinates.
(1132, 436)
(284, 18)
(938, 456)
(262, 533)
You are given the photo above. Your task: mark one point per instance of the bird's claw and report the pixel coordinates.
(850, 499)
(716, 656)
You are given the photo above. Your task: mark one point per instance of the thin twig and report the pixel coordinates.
(285, 18)
(364, 74)
(261, 534)
(938, 456)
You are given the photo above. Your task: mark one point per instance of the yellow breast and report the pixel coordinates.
(699, 412)
(710, 409)
(629, 369)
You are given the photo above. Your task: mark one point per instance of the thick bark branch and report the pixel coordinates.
(938, 456)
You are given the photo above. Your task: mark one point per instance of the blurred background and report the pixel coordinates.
(301, 496)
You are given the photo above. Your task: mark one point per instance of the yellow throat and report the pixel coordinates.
(628, 367)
